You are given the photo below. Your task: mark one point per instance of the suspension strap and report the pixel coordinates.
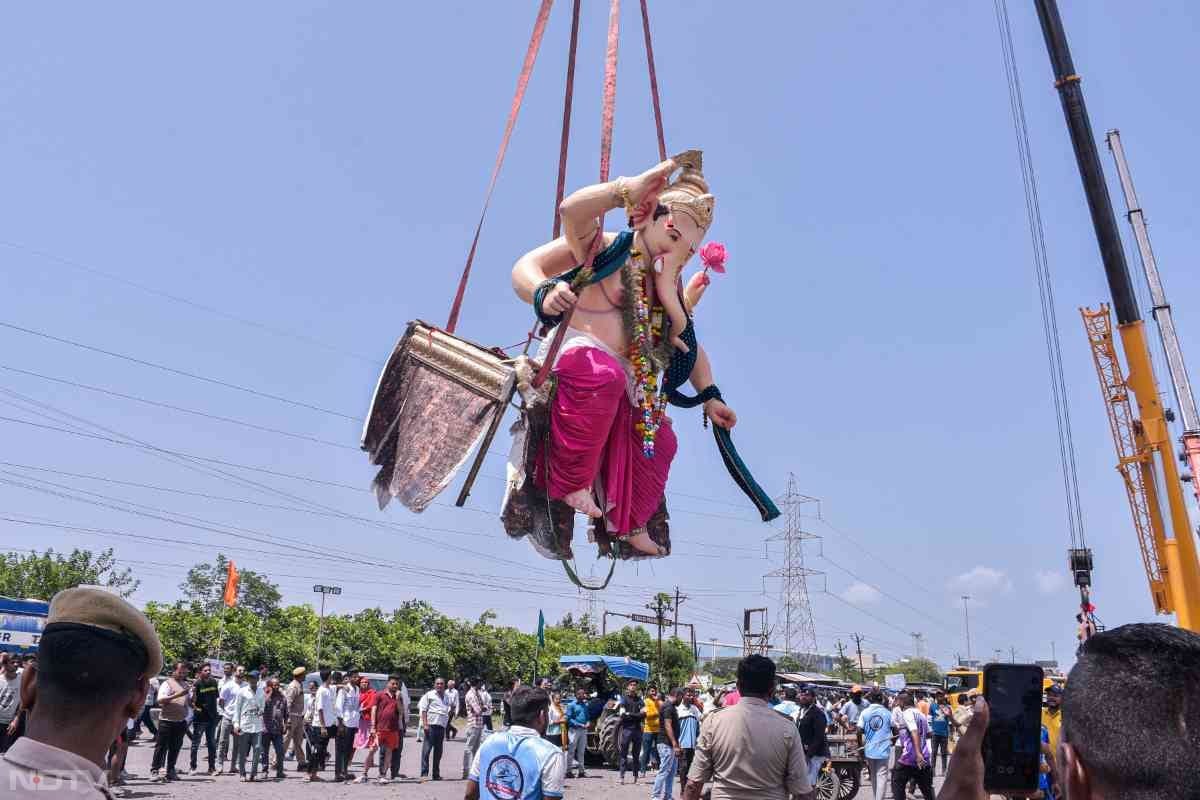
(658, 123)
(568, 101)
(531, 53)
(606, 132)
(573, 576)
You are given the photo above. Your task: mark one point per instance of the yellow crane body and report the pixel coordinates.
(1145, 459)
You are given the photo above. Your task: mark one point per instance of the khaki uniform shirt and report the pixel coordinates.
(750, 752)
(295, 698)
(31, 770)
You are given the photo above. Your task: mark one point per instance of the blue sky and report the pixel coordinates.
(317, 169)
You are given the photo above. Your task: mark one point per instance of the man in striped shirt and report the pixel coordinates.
(475, 725)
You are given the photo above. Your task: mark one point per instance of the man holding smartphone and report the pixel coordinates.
(915, 758)
(1114, 743)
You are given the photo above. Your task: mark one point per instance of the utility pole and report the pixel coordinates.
(841, 648)
(714, 648)
(996, 654)
(679, 598)
(967, 624)
(799, 631)
(1053, 655)
(323, 591)
(862, 675)
(1013, 652)
(660, 606)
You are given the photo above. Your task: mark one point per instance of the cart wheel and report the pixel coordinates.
(850, 778)
(828, 784)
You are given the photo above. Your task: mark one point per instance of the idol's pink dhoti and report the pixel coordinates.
(594, 443)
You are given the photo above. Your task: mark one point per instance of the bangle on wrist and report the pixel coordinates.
(710, 393)
(539, 296)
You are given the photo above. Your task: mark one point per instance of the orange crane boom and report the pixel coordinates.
(1133, 462)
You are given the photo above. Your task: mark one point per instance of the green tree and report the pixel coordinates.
(846, 668)
(917, 670)
(584, 625)
(42, 576)
(205, 584)
(724, 669)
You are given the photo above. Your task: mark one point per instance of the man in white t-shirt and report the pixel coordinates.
(325, 719)
(10, 699)
(346, 703)
(227, 695)
(435, 714)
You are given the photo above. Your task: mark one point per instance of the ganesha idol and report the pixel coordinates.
(595, 439)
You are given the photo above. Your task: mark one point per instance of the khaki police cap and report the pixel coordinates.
(298, 672)
(99, 608)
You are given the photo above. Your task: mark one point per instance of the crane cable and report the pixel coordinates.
(1058, 387)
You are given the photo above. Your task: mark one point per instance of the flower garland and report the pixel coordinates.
(650, 402)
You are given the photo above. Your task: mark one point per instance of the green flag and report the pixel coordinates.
(541, 630)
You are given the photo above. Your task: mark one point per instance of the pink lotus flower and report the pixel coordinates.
(713, 256)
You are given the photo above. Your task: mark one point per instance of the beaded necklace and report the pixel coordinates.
(650, 402)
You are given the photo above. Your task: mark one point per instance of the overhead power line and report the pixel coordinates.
(252, 323)
(180, 372)
(172, 407)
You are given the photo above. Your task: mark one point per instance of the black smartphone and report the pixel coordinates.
(1012, 745)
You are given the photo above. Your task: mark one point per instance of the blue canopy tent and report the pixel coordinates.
(618, 666)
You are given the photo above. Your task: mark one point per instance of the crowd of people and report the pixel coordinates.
(1126, 726)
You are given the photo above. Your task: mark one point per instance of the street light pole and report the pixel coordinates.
(323, 591)
(967, 624)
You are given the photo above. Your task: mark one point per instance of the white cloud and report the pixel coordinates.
(981, 580)
(860, 594)
(1049, 582)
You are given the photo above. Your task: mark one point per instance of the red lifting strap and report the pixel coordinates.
(568, 101)
(662, 142)
(535, 43)
(606, 132)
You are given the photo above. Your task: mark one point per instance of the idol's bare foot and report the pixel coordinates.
(582, 501)
(640, 540)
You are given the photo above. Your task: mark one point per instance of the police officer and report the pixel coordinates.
(518, 764)
(95, 659)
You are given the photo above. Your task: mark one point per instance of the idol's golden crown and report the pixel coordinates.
(688, 192)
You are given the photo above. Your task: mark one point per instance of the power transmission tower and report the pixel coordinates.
(918, 644)
(755, 642)
(589, 602)
(795, 620)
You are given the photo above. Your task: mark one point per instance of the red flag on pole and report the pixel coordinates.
(231, 586)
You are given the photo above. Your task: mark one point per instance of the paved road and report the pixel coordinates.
(600, 784)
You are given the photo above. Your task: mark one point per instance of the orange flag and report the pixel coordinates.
(231, 586)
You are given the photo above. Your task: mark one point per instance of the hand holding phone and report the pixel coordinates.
(1013, 742)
